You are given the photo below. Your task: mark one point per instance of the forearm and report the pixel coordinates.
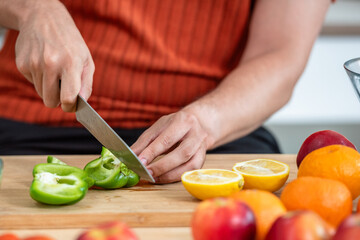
(13, 13)
(278, 47)
(247, 96)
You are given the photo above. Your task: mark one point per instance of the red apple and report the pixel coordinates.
(300, 224)
(349, 228)
(109, 231)
(321, 139)
(223, 219)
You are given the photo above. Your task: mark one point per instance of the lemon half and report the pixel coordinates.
(264, 174)
(210, 183)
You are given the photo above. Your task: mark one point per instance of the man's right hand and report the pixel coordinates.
(49, 48)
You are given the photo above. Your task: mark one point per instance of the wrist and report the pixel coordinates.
(36, 8)
(207, 117)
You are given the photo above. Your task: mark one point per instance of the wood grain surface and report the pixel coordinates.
(147, 207)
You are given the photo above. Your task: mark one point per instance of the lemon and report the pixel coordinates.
(264, 174)
(210, 183)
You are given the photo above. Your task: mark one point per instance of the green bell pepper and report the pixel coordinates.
(58, 184)
(133, 178)
(109, 172)
(52, 159)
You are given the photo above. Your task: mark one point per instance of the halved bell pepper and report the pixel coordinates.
(58, 184)
(109, 172)
(52, 159)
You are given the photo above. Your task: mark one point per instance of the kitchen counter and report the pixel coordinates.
(152, 211)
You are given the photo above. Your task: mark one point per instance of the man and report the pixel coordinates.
(201, 74)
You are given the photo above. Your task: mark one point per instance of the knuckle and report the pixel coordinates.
(188, 118)
(68, 103)
(34, 62)
(166, 141)
(149, 153)
(196, 165)
(91, 65)
(187, 152)
(51, 61)
(191, 119)
(21, 66)
(88, 88)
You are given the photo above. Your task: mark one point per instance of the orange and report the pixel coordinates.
(266, 206)
(329, 198)
(336, 162)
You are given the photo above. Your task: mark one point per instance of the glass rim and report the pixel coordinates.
(348, 62)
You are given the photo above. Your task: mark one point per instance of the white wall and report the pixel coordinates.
(323, 98)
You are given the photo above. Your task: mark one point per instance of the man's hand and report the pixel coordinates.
(181, 137)
(49, 48)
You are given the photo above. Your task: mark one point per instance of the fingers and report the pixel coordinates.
(174, 175)
(150, 134)
(70, 86)
(45, 74)
(186, 150)
(50, 83)
(87, 78)
(177, 127)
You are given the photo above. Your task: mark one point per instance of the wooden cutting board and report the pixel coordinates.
(145, 205)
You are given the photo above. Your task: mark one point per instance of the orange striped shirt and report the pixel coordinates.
(152, 57)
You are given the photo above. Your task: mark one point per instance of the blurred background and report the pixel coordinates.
(323, 98)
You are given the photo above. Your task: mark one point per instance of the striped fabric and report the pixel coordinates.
(152, 57)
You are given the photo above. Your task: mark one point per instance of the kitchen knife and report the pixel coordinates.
(93, 122)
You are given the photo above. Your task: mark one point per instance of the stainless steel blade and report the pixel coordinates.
(94, 123)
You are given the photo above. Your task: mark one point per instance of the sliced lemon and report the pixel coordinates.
(210, 183)
(264, 174)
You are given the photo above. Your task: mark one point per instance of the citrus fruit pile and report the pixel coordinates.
(318, 204)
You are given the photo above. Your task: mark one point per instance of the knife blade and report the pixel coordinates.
(97, 126)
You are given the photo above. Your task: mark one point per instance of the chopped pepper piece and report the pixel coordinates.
(133, 178)
(58, 184)
(109, 172)
(52, 159)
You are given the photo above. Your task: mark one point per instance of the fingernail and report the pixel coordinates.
(151, 172)
(143, 160)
